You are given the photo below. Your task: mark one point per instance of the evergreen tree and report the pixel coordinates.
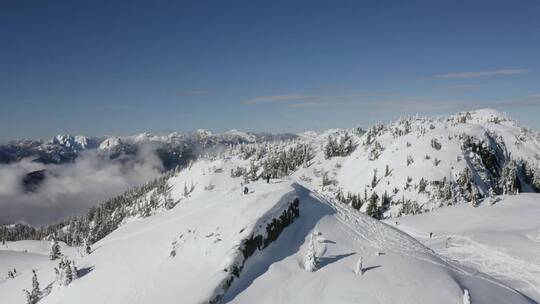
(466, 297)
(311, 261)
(66, 272)
(387, 171)
(372, 208)
(422, 185)
(32, 297)
(55, 251)
(374, 180)
(509, 182)
(385, 203)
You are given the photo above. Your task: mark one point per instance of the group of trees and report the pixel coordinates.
(102, 219)
(66, 272)
(274, 163)
(339, 146)
(11, 274)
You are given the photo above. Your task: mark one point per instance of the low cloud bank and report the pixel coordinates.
(70, 189)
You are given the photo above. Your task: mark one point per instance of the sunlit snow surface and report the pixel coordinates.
(493, 251)
(133, 264)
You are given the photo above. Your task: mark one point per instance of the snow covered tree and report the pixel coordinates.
(509, 182)
(375, 151)
(55, 251)
(466, 297)
(435, 144)
(311, 261)
(422, 185)
(410, 160)
(32, 297)
(372, 208)
(359, 267)
(87, 248)
(387, 171)
(66, 272)
(386, 201)
(74, 270)
(374, 180)
(343, 147)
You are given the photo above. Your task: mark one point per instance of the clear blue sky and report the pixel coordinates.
(122, 67)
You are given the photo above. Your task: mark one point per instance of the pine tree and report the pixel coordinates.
(87, 248)
(509, 182)
(374, 180)
(387, 171)
(372, 208)
(422, 185)
(74, 270)
(66, 272)
(32, 297)
(466, 297)
(311, 261)
(55, 251)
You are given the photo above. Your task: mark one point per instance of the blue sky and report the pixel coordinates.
(113, 67)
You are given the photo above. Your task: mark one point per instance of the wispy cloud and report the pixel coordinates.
(482, 73)
(191, 93)
(278, 98)
(316, 104)
(534, 96)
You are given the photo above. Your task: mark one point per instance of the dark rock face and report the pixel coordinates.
(258, 243)
(33, 180)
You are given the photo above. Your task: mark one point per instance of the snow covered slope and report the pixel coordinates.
(23, 256)
(193, 236)
(207, 249)
(502, 240)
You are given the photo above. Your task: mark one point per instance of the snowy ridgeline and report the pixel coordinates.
(411, 166)
(280, 243)
(194, 235)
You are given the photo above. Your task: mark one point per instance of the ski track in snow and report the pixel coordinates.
(392, 240)
(493, 261)
(487, 259)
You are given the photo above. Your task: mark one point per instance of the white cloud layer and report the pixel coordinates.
(70, 188)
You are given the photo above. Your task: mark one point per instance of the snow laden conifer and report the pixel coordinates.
(359, 270)
(55, 251)
(32, 297)
(509, 182)
(66, 272)
(372, 208)
(342, 147)
(466, 297)
(311, 261)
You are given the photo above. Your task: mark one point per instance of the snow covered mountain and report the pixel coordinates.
(218, 245)
(306, 229)
(66, 148)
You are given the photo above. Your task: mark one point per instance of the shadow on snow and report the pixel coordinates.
(287, 244)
